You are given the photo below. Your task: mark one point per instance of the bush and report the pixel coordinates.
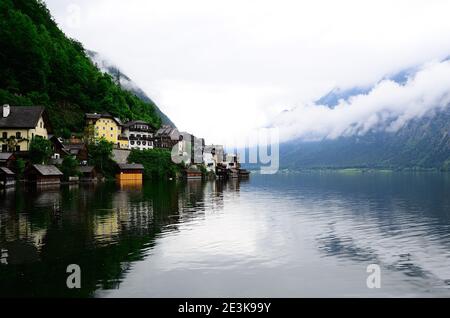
(100, 156)
(157, 163)
(40, 150)
(69, 167)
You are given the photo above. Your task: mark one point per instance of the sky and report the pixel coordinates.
(222, 69)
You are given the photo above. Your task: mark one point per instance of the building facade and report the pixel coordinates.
(166, 137)
(104, 126)
(20, 124)
(139, 135)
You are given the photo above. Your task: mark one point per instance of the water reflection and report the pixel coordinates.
(296, 235)
(101, 227)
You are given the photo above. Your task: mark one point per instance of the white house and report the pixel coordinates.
(139, 134)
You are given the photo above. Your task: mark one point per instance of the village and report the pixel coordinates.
(23, 127)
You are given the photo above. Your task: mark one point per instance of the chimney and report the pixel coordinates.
(6, 110)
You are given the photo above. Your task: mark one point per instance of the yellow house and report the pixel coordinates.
(123, 142)
(104, 126)
(20, 124)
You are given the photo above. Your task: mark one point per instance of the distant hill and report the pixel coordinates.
(39, 65)
(125, 82)
(422, 143)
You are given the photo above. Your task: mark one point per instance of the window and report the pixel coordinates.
(138, 143)
(112, 128)
(132, 142)
(111, 135)
(42, 124)
(4, 148)
(18, 135)
(5, 135)
(18, 148)
(144, 143)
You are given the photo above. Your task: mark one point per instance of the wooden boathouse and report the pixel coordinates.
(43, 175)
(130, 172)
(7, 178)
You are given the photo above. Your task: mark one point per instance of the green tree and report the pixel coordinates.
(69, 167)
(41, 66)
(157, 163)
(40, 150)
(100, 155)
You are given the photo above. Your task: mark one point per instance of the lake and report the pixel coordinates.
(287, 235)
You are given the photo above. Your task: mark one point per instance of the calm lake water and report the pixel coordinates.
(299, 235)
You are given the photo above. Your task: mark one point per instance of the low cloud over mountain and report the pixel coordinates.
(387, 106)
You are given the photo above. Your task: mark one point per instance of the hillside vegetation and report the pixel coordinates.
(39, 65)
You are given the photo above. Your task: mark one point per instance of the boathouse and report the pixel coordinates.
(7, 159)
(7, 178)
(130, 172)
(193, 173)
(43, 175)
(88, 174)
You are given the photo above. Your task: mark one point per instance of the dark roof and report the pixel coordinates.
(130, 166)
(48, 170)
(6, 171)
(137, 122)
(22, 117)
(4, 156)
(168, 131)
(86, 169)
(75, 146)
(74, 149)
(97, 116)
(56, 140)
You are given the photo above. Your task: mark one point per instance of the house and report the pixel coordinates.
(212, 156)
(7, 178)
(232, 161)
(78, 150)
(139, 133)
(20, 124)
(43, 174)
(124, 143)
(166, 137)
(103, 126)
(88, 173)
(191, 148)
(130, 172)
(7, 159)
(59, 152)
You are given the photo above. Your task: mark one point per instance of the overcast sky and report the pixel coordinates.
(221, 68)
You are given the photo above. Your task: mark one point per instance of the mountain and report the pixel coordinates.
(125, 82)
(422, 143)
(39, 65)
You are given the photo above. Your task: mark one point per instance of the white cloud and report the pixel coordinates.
(254, 58)
(388, 106)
